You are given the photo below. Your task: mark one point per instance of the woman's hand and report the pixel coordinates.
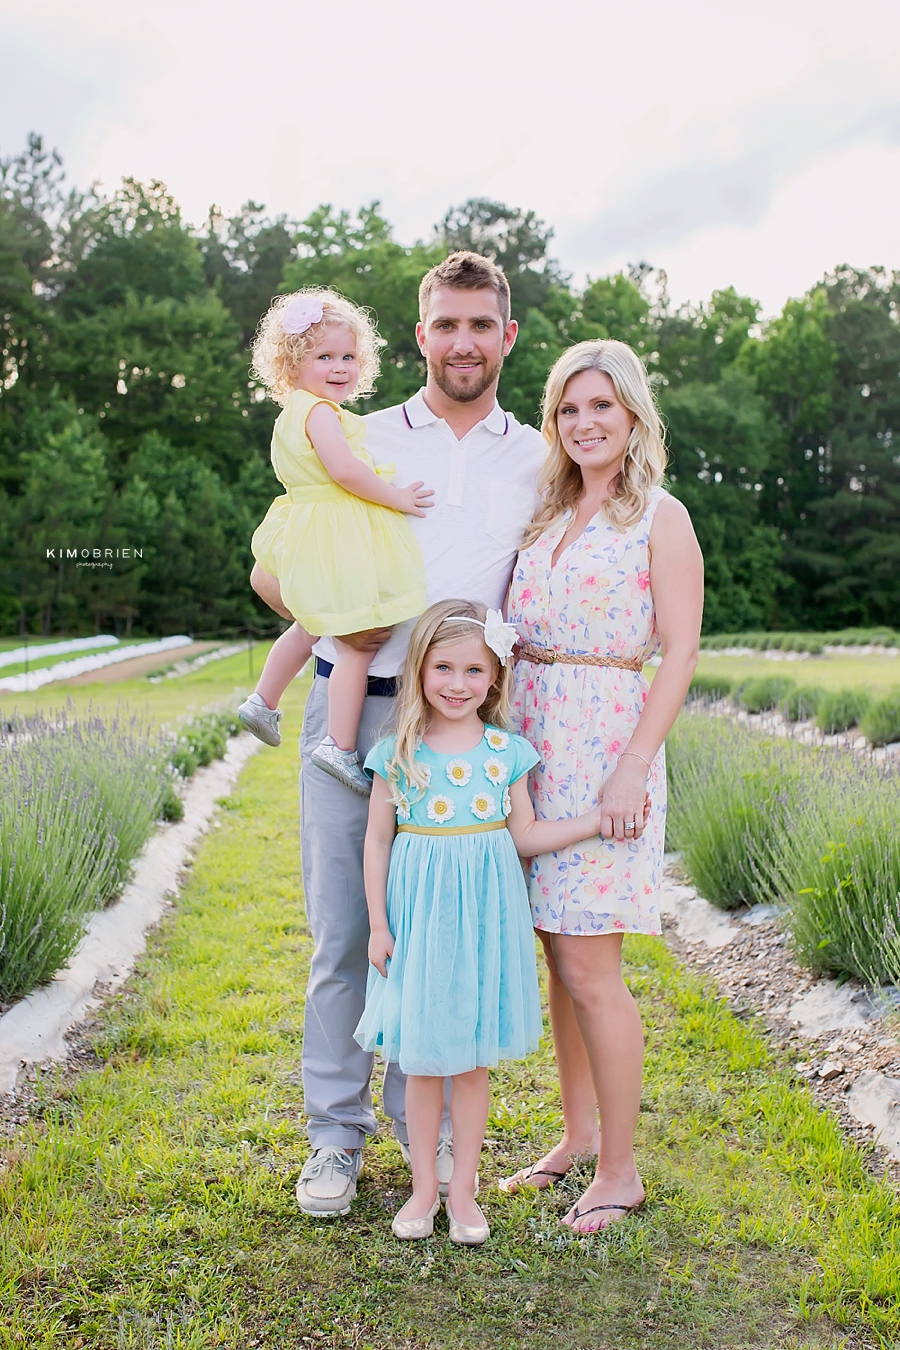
(624, 799)
(381, 948)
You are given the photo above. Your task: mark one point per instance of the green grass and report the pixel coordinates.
(224, 682)
(38, 662)
(878, 674)
(149, 1203)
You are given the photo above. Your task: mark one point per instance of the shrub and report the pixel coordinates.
(170, 806)
(838, 866)
(758, 819)
(77, 802)
(729, 793)
(842, 709)
(802, 703)
(764, 693)
(880, 723)
(710, 686)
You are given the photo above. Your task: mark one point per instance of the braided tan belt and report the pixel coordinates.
(548, 656)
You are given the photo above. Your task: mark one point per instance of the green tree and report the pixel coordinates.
(515, 240)
(359, 257)
(720, 439)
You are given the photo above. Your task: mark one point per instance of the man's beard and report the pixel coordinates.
(459, 390)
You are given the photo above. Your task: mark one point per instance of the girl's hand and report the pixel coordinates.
(381, 948)
(415, 499)
(624, 798)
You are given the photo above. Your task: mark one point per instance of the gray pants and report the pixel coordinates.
(336, 1071)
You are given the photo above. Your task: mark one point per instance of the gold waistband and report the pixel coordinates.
(548, 656)
(453, 829)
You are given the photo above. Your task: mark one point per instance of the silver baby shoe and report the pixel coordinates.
(343, 765)
(262, 720)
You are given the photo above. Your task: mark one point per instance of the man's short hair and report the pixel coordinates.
(465, 271)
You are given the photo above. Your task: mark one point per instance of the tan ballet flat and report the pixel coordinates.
(416, 1228)
(468, 1235)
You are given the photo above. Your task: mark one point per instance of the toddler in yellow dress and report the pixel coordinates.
(345, 558)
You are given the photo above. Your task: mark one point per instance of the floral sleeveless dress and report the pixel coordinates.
(579, 718)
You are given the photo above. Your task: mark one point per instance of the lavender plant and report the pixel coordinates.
(762, 818)
(77, 802)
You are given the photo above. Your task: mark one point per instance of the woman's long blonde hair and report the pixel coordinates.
(441, 625)
(560, 483)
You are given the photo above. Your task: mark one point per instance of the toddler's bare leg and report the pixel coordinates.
(268, 589)
(347, 693)
(288, 656)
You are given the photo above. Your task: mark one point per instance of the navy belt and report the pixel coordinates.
(375, 684)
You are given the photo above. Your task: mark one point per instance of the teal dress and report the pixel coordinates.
(461, 990)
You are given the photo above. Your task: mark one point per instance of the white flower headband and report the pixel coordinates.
(499, 635)
(302, 313)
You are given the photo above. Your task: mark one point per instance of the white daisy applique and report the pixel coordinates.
(403, 810)
(440, 808)
(425, 770)
(495, 771)
(496, 739)
(506, 802)
(482, 805)
(459, 772)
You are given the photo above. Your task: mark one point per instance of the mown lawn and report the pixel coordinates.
(171, 701)
(150, 1202)
(878, 674)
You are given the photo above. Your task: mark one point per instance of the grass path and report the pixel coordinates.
(149, 1203)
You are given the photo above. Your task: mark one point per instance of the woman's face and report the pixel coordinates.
(593, 425)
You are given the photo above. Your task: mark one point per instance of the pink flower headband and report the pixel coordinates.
(301, 314)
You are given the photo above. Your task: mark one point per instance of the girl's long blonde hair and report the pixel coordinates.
(441, 625)
(277, 354)
(560, 483)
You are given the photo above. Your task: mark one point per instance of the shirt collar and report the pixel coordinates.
(418, 414)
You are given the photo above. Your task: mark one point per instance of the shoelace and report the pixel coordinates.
(336, 1158)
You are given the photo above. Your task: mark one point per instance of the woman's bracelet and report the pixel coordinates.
(637, 756)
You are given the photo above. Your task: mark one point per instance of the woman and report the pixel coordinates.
(610, 573)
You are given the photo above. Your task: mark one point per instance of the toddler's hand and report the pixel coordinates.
(415, 499)
(381, 947)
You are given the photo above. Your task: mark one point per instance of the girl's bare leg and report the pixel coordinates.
(347, 693)
(288, 656)
(424, 1107)
(610, 1025)
(468, 1114)
(581, 1132)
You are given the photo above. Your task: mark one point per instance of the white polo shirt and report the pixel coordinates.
(484, 496)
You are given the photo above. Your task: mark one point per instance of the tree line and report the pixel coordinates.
(129, 421)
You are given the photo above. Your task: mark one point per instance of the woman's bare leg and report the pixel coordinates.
(468, 1114)
(424, 1107)
(347, 693)
(581, 1132)
(610, 1024)
(288, 656)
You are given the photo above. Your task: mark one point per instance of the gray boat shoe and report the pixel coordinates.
(327, 1185)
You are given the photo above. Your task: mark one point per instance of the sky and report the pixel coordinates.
(731, 144)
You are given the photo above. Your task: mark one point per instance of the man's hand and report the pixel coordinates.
(415, 499)
(381, 948)
(369, 641)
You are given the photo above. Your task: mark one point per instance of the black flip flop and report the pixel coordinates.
(535, 1171)
(580, 1214)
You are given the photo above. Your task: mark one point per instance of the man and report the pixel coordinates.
(481, 464)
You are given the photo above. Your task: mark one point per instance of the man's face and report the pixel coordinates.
(464, 341)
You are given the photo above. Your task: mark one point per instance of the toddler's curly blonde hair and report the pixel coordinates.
(277, 354)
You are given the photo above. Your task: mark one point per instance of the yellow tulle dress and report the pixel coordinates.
(344, 564)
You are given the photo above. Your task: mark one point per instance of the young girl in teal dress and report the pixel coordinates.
(452, 984)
